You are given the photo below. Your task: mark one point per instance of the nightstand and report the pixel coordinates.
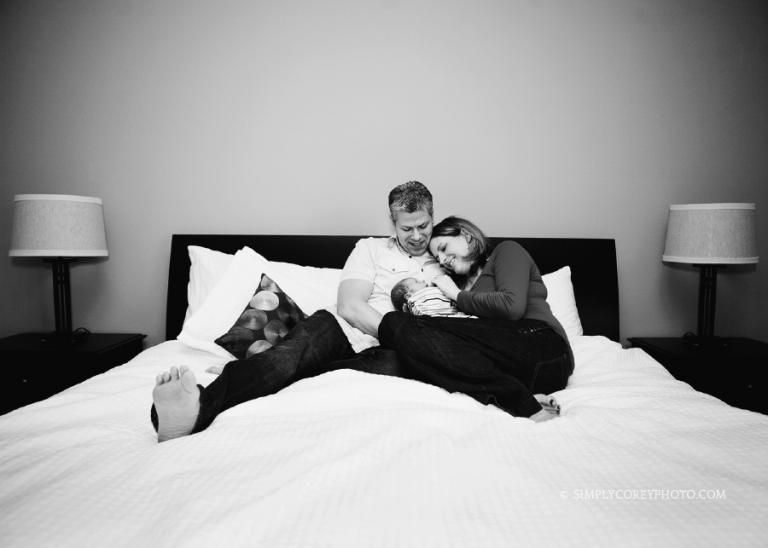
(731, 369)
(37, 365)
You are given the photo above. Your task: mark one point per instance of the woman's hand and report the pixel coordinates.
(432, 270)
(446, 284)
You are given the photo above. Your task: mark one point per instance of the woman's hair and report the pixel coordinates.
(410, 197)
(477, 242)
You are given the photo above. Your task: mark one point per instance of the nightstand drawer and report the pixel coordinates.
(37, 366)
(733, 370)
(744, 391)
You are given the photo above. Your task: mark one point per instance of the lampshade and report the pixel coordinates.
(711, 234)
(57, 225)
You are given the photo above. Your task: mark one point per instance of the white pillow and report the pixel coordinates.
(206, 269)
(562, 301)
(224, 303)
(311, 288)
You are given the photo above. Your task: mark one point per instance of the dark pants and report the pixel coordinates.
(495, 361)
(316, 345)
(501, 362)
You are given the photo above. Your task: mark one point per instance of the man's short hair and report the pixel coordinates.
(410, 197)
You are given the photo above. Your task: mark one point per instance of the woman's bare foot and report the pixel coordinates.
(177, 402)
(541, 416)
(549, 403)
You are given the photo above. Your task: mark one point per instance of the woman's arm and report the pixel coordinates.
(510, 265)
(446, 284)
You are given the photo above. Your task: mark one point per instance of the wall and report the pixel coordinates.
(551, 118)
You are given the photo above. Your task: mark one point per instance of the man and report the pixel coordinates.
(317, 344)
(377, 264)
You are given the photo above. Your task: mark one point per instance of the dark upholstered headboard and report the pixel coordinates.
(592, 263)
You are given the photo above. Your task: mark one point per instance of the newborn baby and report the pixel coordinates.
(416, 297)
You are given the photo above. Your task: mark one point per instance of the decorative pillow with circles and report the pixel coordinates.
(269, 316)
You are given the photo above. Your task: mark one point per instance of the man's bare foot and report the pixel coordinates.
(177, 402)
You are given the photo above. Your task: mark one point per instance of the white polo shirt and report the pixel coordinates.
(383, 263)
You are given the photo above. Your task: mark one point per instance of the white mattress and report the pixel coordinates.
(350, 459)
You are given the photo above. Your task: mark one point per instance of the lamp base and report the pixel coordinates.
(707, 297)
(62, 302)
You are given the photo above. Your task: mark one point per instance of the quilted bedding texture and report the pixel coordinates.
(351, 459)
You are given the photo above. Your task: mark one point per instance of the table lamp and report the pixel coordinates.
(61, 228)
(709, 236)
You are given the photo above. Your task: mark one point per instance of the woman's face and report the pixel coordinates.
(451, 252)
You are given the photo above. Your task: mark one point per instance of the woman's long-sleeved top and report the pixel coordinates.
(509, 287)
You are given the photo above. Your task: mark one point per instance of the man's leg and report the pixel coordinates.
(308, 350)
(376, 360)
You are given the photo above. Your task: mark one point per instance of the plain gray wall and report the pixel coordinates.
(552, 118)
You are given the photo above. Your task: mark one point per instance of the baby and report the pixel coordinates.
(418, 298)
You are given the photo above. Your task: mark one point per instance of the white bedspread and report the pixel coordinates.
(351, 459)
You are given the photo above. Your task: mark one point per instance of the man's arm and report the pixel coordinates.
(353, 306)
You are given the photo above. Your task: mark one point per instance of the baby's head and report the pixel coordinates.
(403, 290)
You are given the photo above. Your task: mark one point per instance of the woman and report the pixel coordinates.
(515, 349)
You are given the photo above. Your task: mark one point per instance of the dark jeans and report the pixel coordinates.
(316, 345)
(501, 362)
(495, 361)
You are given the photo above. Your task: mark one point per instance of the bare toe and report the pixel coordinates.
(188, 380)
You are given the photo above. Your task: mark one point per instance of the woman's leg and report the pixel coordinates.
(308, 350)
(552, 369)
(494, 361)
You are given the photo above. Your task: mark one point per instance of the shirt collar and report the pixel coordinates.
(393, 243)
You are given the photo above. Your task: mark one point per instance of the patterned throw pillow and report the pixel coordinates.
(269, 316)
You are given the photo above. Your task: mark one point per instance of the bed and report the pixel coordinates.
(355, 459)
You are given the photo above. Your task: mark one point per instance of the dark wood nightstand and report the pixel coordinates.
(37, 365)
(731, 369)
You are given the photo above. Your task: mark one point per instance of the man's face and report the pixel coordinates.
(413, 231)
